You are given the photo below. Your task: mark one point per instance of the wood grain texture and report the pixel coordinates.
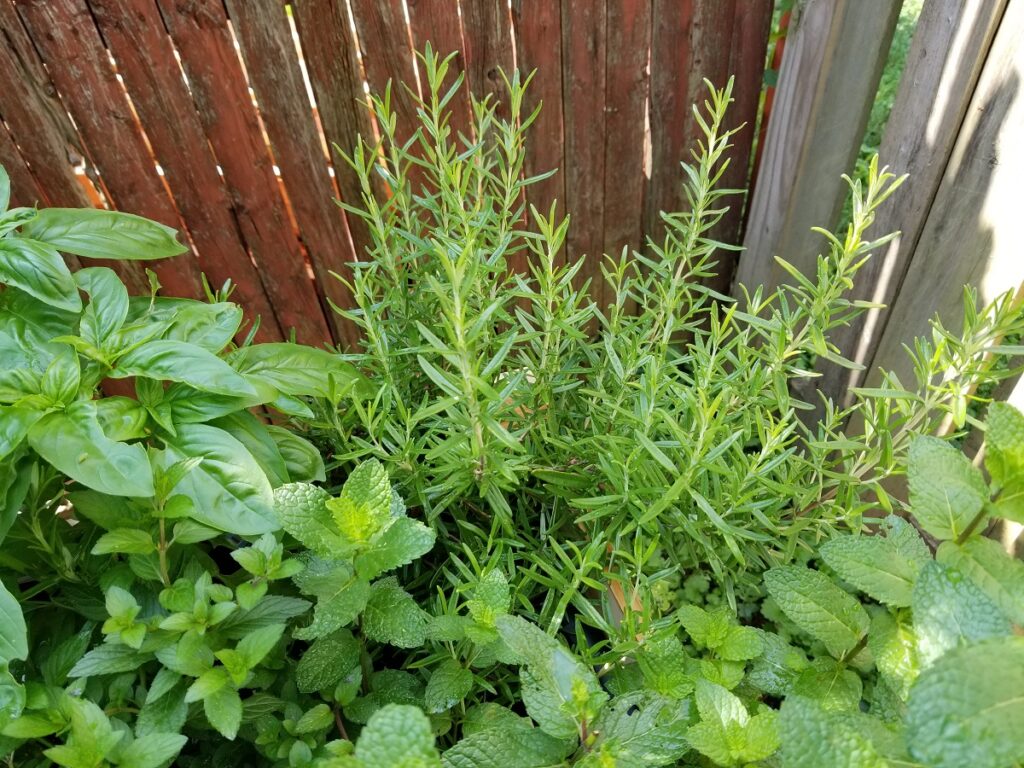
(385, 46)
(229, 119)
(273, 67)
(489, 51)
(747, 51)
(969, 235)
(437, 22)
(945, 59)
(830, 72)
(538, 28)
(77, 60)
(584, 32)
(627, 90)
(24, 189)
(140, 46)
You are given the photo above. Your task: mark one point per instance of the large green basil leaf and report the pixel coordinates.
(15, 478)
(73, 441)
(190, 406)
(210, 326)
(108, 304)
(39, 270)
(295, 370)
(98, 234)
(301, 457)
(122, 418)
(182, 362)
(5, 190)
(229, 490)
(13, 633)
(14, 426)
(253, 434)
(62, 377)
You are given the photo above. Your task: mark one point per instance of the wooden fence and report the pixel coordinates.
(215, 118)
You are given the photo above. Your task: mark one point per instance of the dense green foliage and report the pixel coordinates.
(549, 533)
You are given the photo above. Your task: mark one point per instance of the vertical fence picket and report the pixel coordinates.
(487, 39)
(145, 59)
(66, 37)
(225, 108)
(538, 27)
(627, 90)
(275, 74)
(583, 99)
(437, 22)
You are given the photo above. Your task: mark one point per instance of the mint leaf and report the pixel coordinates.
(987, 564)
(950, 610)
(327, 661)
(404, 541)
(224, 712)
(302, 510)
(508, 743)
(818, 607)
(946, 490)
(643, 729)
(108, 660)
(966, 709)
(392, 616)
(364, 506)
(448, 685)
(1004, 459)
(397, 736)
(893, 645)
(491, 598)
(883, 567)
(740, 644)
(831, 684)
(663, 662)
(151, 751)
(778, 666)
(813, 738)
(341, 596)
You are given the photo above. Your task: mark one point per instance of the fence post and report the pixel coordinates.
(945, 59)
(969, 233)
(835, 53)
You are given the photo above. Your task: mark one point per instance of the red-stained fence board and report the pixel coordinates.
(627, 89)
(77, 60)
(583, 78)
(272, 64)
(487, 38)
(135, 33)
(437, 22)
(24, 189)
(538, 27)
(221, 94)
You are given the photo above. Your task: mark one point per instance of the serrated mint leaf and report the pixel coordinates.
(950, 610)
(392, 616)
(739, 644)
(1004, 459)
(151, 751)
(778, 666)
(663, 662)
(946, 490)
(987, 564)
(967, 708)
(340, 596)
(883, 567)
(831, 684)
(893, 645)
(643, 729)
(327, 661)
(448, 685)
(397, 736)
(302, 510)
(505, 744)
(404, 540)
(272, 609)
(108, 660)
(814, 738)
(820, 608)
(224, 712)
(491, 598)
(364, 506)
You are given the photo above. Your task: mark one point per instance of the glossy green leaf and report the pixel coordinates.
(229, 490)
(15, 422)
(74, 443)
(152, 750)
(39, 270)
(449, 684)
(295, 370)
(224, 712)
(302, 511)
(107, 309)
(13, 632)
(946, 491)
(392, 616)
(997, 574)
(327, 661)
(99, 234)
(169, 360)
(302, 459)
(253, 434)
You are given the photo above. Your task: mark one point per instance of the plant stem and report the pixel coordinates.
(165, 575)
